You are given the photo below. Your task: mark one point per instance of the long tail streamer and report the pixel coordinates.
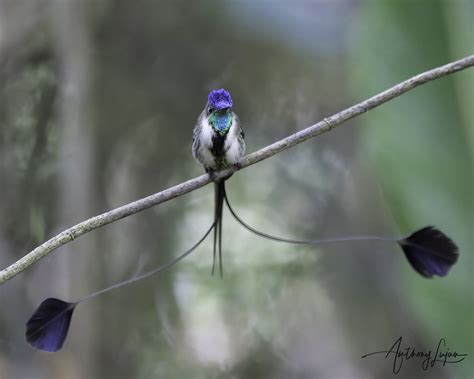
(48, 327)
(428, 250)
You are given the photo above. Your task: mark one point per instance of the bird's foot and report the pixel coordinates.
(212, 175)
(238, 166)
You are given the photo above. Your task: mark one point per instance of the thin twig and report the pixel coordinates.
(321, 127)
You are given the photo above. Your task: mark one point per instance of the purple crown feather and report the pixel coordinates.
(219, 99)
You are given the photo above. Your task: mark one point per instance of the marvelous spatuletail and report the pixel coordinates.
(218, 141)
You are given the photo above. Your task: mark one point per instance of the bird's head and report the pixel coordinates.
(219, 110)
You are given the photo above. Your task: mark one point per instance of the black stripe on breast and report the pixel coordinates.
(218, 142)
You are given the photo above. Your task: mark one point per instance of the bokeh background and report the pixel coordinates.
(98, 100)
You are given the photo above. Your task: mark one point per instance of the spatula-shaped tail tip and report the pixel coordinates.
(430, 252)
(47, 328)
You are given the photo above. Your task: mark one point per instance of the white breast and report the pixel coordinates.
(231, 146)
(232, 150)
(206, 157)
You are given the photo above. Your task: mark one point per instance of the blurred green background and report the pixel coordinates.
(98, 100)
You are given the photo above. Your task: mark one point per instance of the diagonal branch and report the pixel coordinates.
(321, 127)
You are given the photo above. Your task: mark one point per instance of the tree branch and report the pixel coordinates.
(321, 127)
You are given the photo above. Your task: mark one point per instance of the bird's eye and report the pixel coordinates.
(210, 110)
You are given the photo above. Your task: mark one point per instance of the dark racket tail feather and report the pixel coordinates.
(48, 327)
(219, 205)
(428, 250)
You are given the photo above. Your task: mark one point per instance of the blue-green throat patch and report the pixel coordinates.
(221, 121)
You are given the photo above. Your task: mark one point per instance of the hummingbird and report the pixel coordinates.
(218, 142)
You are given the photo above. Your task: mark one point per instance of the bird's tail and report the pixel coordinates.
(48, 327)
(429, 251)
(219, 203)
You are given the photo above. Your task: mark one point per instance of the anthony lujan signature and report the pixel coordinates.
(441, 354)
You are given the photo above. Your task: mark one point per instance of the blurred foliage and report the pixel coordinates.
(420, 145)
(97, 105)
